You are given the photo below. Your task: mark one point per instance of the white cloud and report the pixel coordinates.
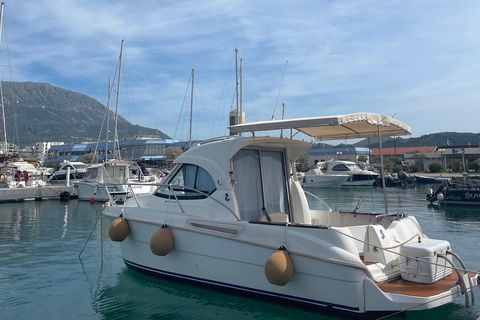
(416, 59)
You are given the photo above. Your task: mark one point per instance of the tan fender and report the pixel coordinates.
(118, 229)
(161, 242)
(279, 268)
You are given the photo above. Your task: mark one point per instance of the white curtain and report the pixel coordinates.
(273, 177)
(259, 182)
(248, 187)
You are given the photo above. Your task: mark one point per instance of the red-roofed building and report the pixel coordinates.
(400, 151)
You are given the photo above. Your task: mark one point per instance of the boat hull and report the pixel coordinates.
(323, 181)
(98, 192)
(219, 257)
(452, 193)
(234, 265)
(360, 180)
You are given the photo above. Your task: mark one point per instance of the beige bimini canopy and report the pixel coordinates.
(349, 126)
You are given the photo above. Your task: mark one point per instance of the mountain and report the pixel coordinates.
(433, 139)
(36, 112)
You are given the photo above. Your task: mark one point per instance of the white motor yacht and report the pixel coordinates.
(232, 215)
(357, 176)
(315, 178)
(76, 169)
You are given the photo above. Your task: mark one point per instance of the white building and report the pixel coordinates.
(40, 149)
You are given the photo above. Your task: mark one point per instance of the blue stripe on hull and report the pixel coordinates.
(275, 295)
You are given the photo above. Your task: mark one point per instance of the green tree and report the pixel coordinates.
(434, 167)
(419, 157)
(474, 165)
(173, 153)
(90, 158)
(301, 165)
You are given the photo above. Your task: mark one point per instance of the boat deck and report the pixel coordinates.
(409, 288)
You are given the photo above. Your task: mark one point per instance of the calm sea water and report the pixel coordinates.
(42, 276)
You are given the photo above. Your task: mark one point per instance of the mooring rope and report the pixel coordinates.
(447, 221)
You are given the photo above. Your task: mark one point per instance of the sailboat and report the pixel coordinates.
(111, 180)
(106, 181)
(5, 152)
(14, 172)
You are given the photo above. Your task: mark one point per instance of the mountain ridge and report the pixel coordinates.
(39, 111)
(44, 112)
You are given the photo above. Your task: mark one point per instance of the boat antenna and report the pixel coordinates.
(278, 95)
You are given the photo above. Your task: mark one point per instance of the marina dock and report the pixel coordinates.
(62, 192)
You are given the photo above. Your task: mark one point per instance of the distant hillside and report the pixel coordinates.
(434, 139)
(37, 112)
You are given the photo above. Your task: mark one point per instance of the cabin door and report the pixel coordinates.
(260, 182)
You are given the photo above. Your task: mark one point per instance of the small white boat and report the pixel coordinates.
(105, 181)
(315, 178)
(357, 176)
(233, 215)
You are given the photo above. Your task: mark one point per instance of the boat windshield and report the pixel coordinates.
(346, 167)
(188, 177)
(91, 173)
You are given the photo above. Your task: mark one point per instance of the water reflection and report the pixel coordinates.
(40, 269)
(138, 296)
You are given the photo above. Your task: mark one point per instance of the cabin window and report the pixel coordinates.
(91, 173)
(340, 167)
(260, 183)
(185, 181)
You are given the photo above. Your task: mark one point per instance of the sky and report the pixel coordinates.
(418, 61)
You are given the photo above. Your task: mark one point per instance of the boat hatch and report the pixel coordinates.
(260, 183)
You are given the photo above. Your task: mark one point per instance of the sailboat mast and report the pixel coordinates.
(1, 87)
(191, 113)
(109, 93)
(115, 134)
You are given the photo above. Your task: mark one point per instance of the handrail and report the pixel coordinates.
(311, 194)
(397, 214)
(465, 268)
(204, 194)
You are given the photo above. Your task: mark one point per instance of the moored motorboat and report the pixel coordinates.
(104, 181)
(20, 174)
(464, 191)
(240, 221)
(74, 169)
(357, 176)
(315, 178)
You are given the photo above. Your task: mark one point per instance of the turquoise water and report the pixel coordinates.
(42, 276)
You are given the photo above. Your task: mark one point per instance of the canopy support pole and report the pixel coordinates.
(383, 170)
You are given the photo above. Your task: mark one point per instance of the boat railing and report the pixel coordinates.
(319, 199)
(171, 188)
(212, 140)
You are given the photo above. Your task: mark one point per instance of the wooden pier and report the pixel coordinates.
(61, 192)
